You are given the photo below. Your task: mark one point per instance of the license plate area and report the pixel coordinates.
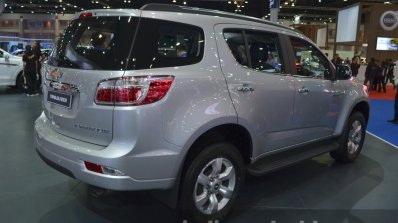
(60, 98)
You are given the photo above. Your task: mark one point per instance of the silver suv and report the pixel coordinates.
(191, 100)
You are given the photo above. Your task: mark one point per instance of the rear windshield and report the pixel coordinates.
(161, 43)
(96, 43)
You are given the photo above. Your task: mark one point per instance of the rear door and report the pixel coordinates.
(91, 49)
(261, 89)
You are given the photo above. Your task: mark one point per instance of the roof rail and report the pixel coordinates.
(201, 11)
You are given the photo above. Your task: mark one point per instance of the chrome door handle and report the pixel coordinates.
(245, 88)
(303, 90)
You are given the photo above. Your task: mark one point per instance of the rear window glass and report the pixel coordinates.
(162, 43)
(97, 43)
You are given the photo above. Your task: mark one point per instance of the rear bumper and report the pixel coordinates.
(154, 170)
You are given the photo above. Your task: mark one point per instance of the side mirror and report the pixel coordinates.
(6, 57)
(343, 72)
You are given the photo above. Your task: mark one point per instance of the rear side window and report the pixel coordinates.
(236, 44)
(162, 43)
(262, 51)
(265, 53)
(96, 43)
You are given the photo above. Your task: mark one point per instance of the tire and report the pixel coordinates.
(351, 140)
(216, 175)
(20, 82)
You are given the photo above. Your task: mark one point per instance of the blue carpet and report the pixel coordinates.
(380, 112)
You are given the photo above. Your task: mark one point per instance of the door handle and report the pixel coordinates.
(303, 90)
(245, 88)
(338, 93)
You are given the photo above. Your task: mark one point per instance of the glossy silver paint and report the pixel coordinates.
(10, 67)
(149, 143)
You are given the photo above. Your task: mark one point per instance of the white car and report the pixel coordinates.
(11, 70)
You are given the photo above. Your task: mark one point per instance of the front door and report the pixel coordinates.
(318, 99)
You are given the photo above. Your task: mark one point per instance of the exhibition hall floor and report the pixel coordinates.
(317, 190)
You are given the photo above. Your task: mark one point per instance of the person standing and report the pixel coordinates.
(337, 60)
(30, 64)
(390, 73)
(395, 119)
(379, 80)
(355, 66)
(371, 72)
(38, 55)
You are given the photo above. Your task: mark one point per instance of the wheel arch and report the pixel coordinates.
(360, 105)
(232, 133)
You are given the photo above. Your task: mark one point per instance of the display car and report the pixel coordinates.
(190, 101)
(11, 70)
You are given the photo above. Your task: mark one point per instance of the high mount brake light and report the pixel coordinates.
(85, 15)
(133, 91)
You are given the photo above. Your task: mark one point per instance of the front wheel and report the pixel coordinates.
(351, 140)
(211, 183)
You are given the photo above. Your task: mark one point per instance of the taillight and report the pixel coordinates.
(85, 15)
(130, 91)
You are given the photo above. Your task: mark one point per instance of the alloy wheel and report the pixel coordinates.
(215, 186)
(354, 137)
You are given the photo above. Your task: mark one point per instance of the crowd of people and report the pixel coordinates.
(378, 74)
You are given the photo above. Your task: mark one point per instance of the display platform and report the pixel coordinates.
(318, 190)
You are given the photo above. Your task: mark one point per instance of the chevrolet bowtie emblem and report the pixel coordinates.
(55, 74)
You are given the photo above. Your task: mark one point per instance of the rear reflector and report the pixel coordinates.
(93, 167)
(97, 168)
(133, 91)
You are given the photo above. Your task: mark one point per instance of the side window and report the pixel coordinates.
(309, 60)
(236, 44)
(162, 43)
(265, 53)
(1, 54)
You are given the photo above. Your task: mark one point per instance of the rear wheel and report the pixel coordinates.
(211, 183)
(351, 140)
